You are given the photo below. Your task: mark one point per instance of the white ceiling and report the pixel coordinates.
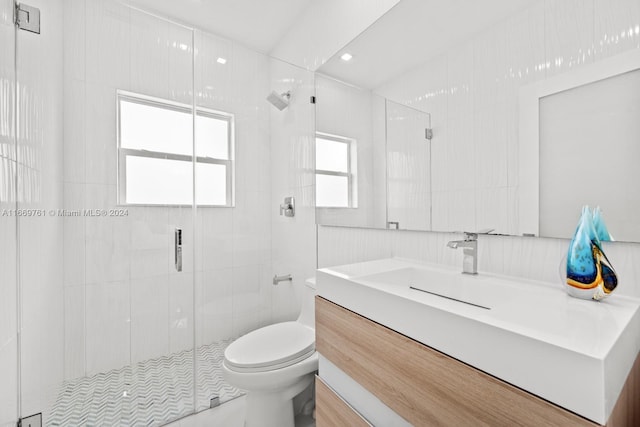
(413, 32)
(258, 24)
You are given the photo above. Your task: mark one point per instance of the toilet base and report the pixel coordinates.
(274, 409)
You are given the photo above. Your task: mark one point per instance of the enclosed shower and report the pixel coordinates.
(141, 174)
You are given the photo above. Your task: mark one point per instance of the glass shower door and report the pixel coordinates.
(408, 167)
(105, 160)
(8, 223)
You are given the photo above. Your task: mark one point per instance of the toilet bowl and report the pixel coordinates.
(274, 364)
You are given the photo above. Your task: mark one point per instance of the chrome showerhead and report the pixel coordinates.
(280, 101)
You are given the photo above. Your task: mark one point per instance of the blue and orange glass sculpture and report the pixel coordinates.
(601, 229)
(589, 272)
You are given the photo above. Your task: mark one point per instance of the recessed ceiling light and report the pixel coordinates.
(346, 56)
(222, 61)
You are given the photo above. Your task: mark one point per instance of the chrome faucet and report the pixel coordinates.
(470, 247)
(470, 250)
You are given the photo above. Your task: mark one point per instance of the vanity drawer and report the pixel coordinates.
(422, 385)
(332, 410)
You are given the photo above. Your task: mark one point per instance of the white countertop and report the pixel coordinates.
(575, 353)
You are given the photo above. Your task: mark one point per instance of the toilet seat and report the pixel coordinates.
(272, 347)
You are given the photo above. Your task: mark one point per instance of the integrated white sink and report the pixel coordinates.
(466, 289)
(572, 352)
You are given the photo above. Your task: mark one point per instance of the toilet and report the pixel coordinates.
(274, 364)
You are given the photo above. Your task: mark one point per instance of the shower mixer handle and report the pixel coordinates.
(288, 208)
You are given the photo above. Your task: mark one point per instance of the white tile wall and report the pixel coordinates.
(108, 332)
(149, 317)
(568, 34)
(181, 313)
(292, 140)
(616, 26)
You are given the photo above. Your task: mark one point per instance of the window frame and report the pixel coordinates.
(122, 153)
(351, 143)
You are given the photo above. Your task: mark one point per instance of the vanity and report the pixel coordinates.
(410, 343)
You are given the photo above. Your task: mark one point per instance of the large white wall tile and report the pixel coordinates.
(107, 250)
(491, 149)
(100, 135)
(180, 79)
(149, 59)
(74, 332)
(149, 317)
(216, 238)
(214, 308)
(181, 314)
(108, 36)
(108, 326)
(251, 298)
(340, 245)
(492, 209)
(569, 34)
(74, 130)
(461, 153)
(460, 63)
(490, 67)
(74, 39)
(616, 26)
(525, 60)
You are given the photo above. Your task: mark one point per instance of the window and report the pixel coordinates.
(155, 153)
(335, 171)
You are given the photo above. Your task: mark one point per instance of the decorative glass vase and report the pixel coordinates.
(589, 272)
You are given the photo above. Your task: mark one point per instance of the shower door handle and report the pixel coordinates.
(178, 248)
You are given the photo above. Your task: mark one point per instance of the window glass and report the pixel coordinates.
(155, 154)
(332, 191)
(212, 137)
(211, 184)
(154, 128)
(153, 181)
(332, 155)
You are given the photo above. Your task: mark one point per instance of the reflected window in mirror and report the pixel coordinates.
(335, 170)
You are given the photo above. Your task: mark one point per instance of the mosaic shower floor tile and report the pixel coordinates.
(149, 393)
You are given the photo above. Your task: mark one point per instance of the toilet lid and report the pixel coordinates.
(272, 347)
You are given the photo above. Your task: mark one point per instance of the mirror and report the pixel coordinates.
(350, 155)
(487, 167)
(408, 156)
(372, 160)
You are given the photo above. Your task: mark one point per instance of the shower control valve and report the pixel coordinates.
(288, 208)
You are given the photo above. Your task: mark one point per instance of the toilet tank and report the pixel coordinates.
(307, 313)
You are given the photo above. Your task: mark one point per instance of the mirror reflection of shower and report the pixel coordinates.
(279, 100)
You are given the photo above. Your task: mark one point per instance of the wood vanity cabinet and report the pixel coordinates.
(429, 388)
(332, 410)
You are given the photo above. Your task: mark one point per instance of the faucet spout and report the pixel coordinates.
(470, 251)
